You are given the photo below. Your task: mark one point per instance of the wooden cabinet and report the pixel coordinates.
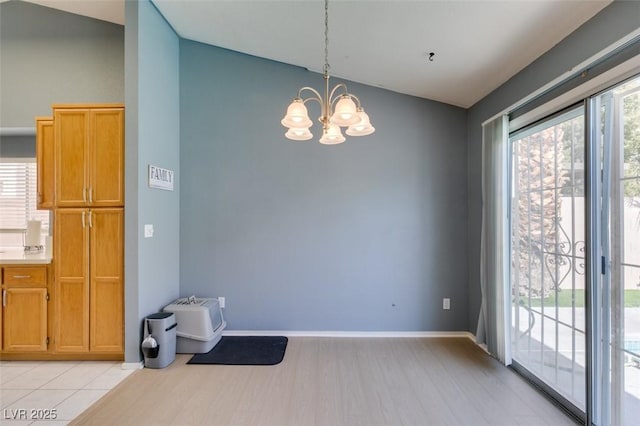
(106, 272)
(24, 309)
(71, 254)
(89, 155)
(45, 161)
(89, 237)
(89, 277)
(80, 153)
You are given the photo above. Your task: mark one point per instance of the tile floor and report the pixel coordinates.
(61, 390)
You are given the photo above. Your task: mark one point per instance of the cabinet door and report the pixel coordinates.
(71, 254)
(25, 319)
(107, 281)
(45, 161)
(71, 130)
(106, 168)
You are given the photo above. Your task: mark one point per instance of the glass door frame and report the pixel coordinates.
(599, 405)
(606, 218)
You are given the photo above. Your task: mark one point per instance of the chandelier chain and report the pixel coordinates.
(326, 38)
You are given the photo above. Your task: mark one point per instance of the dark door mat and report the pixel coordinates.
(244, 350)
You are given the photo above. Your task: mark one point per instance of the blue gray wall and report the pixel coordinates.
(18, 146)
(152, 137)
(613, 23)
(366, 235)
(48, 56)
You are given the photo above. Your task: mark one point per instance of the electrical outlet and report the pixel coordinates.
(221, 302)
(446, 303)
(148, 231)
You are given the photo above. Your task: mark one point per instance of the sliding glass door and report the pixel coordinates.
(616, 128)
(548, 253)
(575, 255)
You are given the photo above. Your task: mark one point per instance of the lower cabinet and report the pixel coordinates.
(89, 299)
(74, 307)
(24, 316)
(25, 319)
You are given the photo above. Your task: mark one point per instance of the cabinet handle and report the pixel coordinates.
(21, 276)
(90, 194)
(4, 297)
(83, 224)
(90, 219)
(84, 195)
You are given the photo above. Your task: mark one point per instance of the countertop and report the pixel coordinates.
(13, 256)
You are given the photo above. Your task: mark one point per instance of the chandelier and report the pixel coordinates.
(339, 108)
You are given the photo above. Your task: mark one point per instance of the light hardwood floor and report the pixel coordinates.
(334, 381)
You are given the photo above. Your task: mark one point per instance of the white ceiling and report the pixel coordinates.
(478, 44)
(105, 10)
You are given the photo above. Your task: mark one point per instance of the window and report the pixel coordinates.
(18, 196)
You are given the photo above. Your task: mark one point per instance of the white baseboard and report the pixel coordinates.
(352, 334)
(132, 365)
(483, 346)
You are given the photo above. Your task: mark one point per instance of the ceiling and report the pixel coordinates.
(105, 10)
(478, 45)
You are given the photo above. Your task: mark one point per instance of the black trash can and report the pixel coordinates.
(159, 344)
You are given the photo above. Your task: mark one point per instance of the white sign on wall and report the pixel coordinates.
(161, 178)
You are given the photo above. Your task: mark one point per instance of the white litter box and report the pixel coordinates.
(200, 324)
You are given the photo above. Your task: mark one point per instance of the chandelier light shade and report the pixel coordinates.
(299, 134)
(297, 115)
(363, 127)
(345, 113)
(339, 108)
(332, 136)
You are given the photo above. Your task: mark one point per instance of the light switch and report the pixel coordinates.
(148, 231)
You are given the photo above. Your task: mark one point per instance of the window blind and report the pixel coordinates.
(18, 195)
